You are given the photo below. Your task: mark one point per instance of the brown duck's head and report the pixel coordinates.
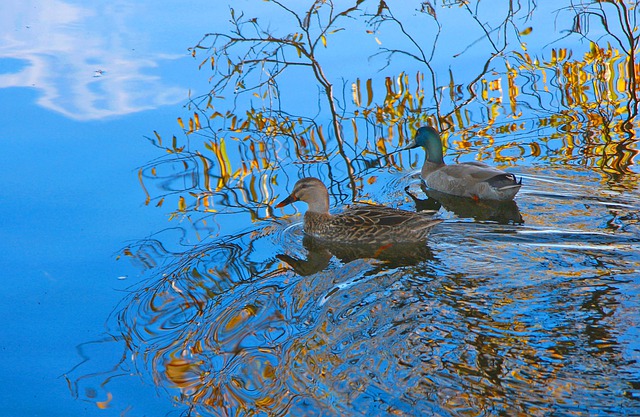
(311, 191)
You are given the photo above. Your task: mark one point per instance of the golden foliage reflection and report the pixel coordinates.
(559, 106)
(232, 331)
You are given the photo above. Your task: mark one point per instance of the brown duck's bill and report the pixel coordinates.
(286, 201)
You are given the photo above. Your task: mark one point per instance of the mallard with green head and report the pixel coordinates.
(357, 224)
(468, 179)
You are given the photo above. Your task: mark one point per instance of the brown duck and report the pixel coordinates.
(357, 224)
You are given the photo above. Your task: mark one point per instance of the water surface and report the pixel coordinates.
(523, 308)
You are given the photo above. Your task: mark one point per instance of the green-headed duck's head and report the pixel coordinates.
(429, 138)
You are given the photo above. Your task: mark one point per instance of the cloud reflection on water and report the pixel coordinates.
(87, 62)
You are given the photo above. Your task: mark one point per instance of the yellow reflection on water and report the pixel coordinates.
(510, 309)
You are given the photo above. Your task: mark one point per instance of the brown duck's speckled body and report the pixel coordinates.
(359, 224)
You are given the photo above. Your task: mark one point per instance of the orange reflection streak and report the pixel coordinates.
(105, 404)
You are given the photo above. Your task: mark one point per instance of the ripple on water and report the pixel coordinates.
(531, 318)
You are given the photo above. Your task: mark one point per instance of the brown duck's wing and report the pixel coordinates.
(378, 223)
(378, 216)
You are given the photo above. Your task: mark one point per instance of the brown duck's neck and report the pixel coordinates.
(316, 216)
(318, 204)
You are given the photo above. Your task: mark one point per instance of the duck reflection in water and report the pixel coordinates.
(320, 253)
(501, 212)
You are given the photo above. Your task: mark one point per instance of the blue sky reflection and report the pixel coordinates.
(92, 61)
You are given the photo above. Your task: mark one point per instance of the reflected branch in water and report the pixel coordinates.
(620, 28)
(515, 107)
(227, 330)
(252, 49)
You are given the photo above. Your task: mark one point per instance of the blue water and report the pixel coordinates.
(70, 198)
(529, 308)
